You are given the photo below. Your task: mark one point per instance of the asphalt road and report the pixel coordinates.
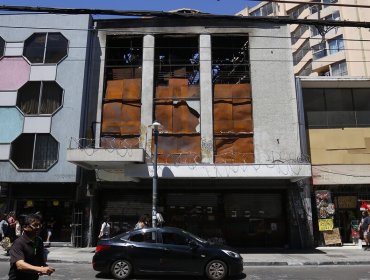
(85, 272)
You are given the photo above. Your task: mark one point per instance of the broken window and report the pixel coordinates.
(34, 151)
(232, 100)
(122, 100)
(177, 98)
(36, 98)
(2, 46)
(45, 48)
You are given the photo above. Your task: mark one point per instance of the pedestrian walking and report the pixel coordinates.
(364, 228)
(144, 222)
(105, 228)
(49, 227)
(27, 259)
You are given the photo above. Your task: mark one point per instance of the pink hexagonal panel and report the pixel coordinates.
(15, 72)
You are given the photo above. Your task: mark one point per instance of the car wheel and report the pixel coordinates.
(121, 269)
(216, 270)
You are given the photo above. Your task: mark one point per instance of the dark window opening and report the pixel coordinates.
(45, 48)
(177, 98)
(148, 237)
(333, 108)
(122, 100)
(174, 239)
(34, 151)
(40, 98)
(232, 100)
(2, 46)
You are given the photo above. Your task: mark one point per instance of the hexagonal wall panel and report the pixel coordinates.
(11, 124)
(15, 72)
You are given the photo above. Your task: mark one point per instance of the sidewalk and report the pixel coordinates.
(346, 255)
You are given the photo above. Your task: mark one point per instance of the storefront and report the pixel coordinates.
(347, 200)
(243, 218)
(55, 203)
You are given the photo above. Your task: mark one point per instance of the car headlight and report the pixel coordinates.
(231, 254)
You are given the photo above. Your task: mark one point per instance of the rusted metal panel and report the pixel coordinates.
(179, 149)
(191, 91)
(114, 90)
(163, 114)
(111, 120)
(185, 119)
(242, 115)
(222, 119)
(121, 118)
(175, 86)
(224, 91)
(131, 89)
(234, 150)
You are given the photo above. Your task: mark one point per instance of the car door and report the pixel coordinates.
(143, 250)
(178, 256)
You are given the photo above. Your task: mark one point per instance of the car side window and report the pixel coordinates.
(148, 237)
(174, 238)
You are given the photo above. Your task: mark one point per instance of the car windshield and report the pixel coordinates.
(195, 237)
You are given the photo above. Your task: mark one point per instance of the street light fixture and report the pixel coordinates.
(155, 127)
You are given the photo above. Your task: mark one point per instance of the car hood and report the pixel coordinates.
(220, 247)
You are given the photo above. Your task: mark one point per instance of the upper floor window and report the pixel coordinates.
(265, 10)
(45, 48)
(177, 98)
(333, 16)
(339, 69)
(336, 45)
(38, 98)
(2, 46)
(34, 151)
(329, 2)
(301, 52)
(297, 34)
(319, 51)
(339, 107)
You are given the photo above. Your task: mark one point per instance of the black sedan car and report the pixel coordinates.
(165, 250)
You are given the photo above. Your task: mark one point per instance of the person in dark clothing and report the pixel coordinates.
(27, 260)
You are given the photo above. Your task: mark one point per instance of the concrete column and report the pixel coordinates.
(206, 104)
(102, 36)
(147, 93)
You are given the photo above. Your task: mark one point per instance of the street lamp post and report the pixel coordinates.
(155, 126)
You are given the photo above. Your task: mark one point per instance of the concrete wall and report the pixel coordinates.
(70, 76)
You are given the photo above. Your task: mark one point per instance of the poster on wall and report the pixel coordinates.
(325, 206)
(326, 224)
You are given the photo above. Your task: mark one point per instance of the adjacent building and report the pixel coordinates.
(44, 62)
(323, 51)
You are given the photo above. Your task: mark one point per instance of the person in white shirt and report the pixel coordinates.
(105, 228)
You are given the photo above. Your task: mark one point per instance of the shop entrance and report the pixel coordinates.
(56, 211)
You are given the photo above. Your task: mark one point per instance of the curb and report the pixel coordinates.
(306, 263)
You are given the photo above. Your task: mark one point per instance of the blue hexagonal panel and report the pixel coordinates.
(11, 124)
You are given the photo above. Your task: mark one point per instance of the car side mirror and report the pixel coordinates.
(193, 244)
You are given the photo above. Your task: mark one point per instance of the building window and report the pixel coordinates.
(297, 11)
(301, 52)
(40, 98)
(122, 100)
(263, 11)
(297, 34)
(2, 46)
(319, 51)
(339, 69)
(333, 108)
(34, 151)
(45, 48)
(328, 2)
(333, 16)
(232, 100)
(314, 31)
(177, 98)
(336, 45)
(306, 70)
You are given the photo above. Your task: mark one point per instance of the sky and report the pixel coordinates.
(226, 7)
